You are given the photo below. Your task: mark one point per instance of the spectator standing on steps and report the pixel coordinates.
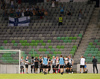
(60, 20)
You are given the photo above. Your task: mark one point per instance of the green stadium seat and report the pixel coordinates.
(69, 41)
(13, 41)
(80, 35)
(43, 44)
(88, 49)
(49, 41)
(62, 38)
(59, 52)
(27, 44)
(31, 52)
(74, 38)
(1, 48)
(92, 49)
(55, 52)
(5, 41)
(44, 49)
(46, 52)
(21, 41)
(40, 50)
(31, 44)
(96, 49)
(91, 43)
(37, 41)
(58, 47)
(96, 41)
(58, 38)
(70, 38)
(35, 52)
(62, 47)
(66, 38)
(25, 41)
(23, 44)
(74, 46)
(15, 44)
(65, 41)
(33, 41)
(50, 47)
(89, 46)
(41, 41)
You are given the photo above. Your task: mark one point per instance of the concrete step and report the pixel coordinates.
(90, 32)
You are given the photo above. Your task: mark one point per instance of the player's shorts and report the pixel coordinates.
(69, 66)
(57, 66)
(82, 66)
(61, 66)
(32, 66)
(53, 66)
(36, 65)
(26, 65)
(66, 65)
(85, 66)
(49, 66)
(21, 67)
(45, 66)
(41, 66)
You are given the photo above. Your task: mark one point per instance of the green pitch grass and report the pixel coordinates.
(49, 76)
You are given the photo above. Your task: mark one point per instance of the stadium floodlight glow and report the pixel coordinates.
(8, 51)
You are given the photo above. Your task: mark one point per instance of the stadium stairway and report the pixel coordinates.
(87, 36)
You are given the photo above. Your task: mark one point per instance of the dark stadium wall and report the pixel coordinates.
(74, 0)
(32, 1)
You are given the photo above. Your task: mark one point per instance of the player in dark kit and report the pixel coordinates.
(49, 64)
(36, 64)
(70, 63)
(94, 61)
(41, 65)
(32, 64)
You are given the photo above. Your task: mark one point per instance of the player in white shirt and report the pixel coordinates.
(57, 64)
(26, 64)
(82, 64)
(22, 65)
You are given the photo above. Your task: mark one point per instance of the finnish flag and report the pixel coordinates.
(23, 21)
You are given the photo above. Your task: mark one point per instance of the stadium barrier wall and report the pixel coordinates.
(15, 68)
(89, 67)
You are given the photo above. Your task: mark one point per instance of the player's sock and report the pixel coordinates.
(66, 70)
(31, 70)
(61, 73)
(23, 71)
(55, 70)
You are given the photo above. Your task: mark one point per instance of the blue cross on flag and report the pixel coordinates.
(23, 21)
